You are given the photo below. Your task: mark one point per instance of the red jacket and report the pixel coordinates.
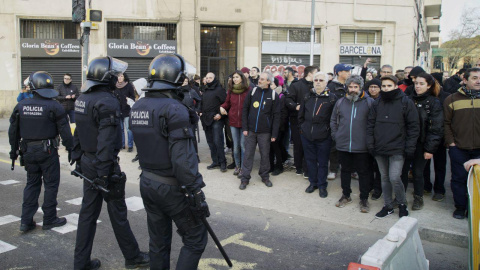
(234, 105)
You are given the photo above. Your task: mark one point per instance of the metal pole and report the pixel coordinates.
(312, 33)
(86, 42)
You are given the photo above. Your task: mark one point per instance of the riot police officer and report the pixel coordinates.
(162, 124)
(37, 122)
(97, 141)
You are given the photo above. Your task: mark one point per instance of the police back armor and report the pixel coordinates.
(38, 117)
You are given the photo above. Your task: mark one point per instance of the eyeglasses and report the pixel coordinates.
(318, 80)
(68, 79)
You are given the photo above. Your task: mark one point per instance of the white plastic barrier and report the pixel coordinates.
(400, 249)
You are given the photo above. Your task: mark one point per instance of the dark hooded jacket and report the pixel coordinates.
(296, 93)
(67, 90)
(314, 115)
(261, 111)
(337, 88)
(213, 96)
(452, 84)
(390, 132)
(414, 72)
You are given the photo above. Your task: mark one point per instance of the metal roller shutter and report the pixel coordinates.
(57, 67)
(360, 60)
(137, 67)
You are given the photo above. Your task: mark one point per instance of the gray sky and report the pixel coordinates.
(451, 13)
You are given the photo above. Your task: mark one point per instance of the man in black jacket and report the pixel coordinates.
(452, 84)
(296, 93)
(392, 132)
(260, 123)
(212, 121)
(67, 94)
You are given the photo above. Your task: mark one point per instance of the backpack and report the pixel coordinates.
(273, 93)
(369, 104)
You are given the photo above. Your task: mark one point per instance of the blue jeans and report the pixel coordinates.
(215, 140)
(71, 116)
(124, 125)
(316, 155)
(238, 145)
(459, 174)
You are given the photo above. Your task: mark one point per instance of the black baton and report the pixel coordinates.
(77, 174)
(215, 239)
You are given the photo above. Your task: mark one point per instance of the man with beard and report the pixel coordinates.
(212, 121)
(349, 124)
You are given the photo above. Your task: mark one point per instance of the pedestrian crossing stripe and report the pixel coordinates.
(76, 201)
(134, 203)
(72, 224)
(8, 219)
(4, 247)
(9, 182)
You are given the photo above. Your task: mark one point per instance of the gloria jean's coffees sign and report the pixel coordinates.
(140, 48)
(30, 47)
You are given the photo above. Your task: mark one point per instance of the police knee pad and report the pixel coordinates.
(186, 221)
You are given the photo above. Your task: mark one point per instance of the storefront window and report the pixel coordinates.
(361, 37)
(140, 30)
(289, 35)
(41, 29)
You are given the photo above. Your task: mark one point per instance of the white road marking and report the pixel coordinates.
(134, 203)
(72, 224)
(4, 247)
(77, 201)
(8, 219)
(237, 239)
(40, 211)
(207, 264)
(9, 182)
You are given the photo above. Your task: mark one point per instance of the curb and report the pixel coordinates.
(444, 237)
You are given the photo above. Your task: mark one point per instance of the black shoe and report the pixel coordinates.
(135, 159)
(402, 210)
(141, 260)
(310, 189)
(417, 202)
(231, 166)
(57, 223)
(213, 166)
(267, 183)
(277, 172)
(385, 212)
(305, 175)
(376, 195)
(28, 227)
(299, 172)
(243, 185)
(459, 213)
(223, 167)
(94, 264)
(130, 149)
(323, 193)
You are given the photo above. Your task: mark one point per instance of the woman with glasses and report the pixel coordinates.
(68, 93)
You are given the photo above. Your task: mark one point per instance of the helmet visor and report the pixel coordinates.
(118, 67)
(190, 70)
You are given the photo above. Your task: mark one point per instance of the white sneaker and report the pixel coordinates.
(331, 176)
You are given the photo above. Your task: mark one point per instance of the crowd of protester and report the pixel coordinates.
(381, 127)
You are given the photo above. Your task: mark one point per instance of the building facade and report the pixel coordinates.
(213, 35)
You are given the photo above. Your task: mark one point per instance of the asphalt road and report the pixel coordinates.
(254, 238)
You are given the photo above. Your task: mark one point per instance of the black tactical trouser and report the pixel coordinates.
(163, 204)
(38, 164)
(87, 221)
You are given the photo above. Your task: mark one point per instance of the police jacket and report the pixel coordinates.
(430, 115)
(462, 120)
(98, 131)
(349, 123)
(261, 111)
(393, 126)
(212, 98)
(314, 115)
(161, 125)
(337, 88)
(122, 94)
(234, 105)
(296, 93)
(67, 90)
(40, 119)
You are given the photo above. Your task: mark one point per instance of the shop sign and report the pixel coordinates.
(140, 48)
(360, 50)
(31, 47)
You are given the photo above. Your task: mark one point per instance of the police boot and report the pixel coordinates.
(94, 264)
(56, 223)
(28, 227)
(141, 260)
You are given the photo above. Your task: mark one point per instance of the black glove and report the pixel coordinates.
(101, 181)
(200, 208)
(13, 155)
(78, 167)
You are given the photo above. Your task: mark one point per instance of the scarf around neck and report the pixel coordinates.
(238, 89)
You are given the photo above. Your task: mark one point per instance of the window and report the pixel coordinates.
(289, 34)
(438, 62)
(139, 30)
(361, 37)
(42, 29)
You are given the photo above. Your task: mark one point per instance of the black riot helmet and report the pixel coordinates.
(101, 71)
(41, 82)
(168, 71)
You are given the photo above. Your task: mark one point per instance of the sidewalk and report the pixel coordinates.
(288, 196)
